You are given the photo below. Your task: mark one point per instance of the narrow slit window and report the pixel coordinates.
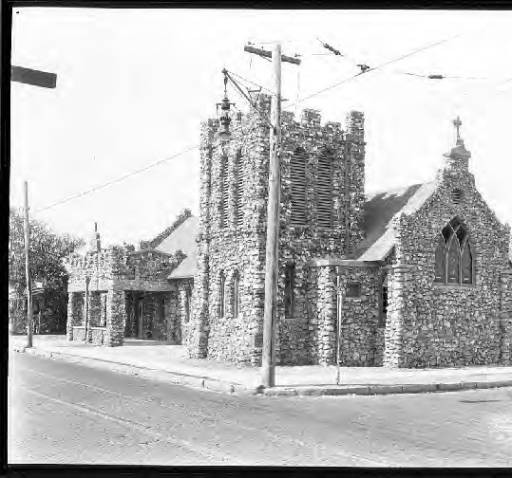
(222, 287)
(236, 295)
(289, 286)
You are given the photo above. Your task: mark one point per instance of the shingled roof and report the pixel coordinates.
(379, 211)
(181, 238)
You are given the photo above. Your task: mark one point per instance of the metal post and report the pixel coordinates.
(27, 270)
(339, 308)
(272, 246)
(86, 321)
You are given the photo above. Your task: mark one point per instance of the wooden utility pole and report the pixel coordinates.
(273, 207)
(27, 270)
(272, 251)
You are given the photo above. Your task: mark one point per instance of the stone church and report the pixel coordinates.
(415, 277)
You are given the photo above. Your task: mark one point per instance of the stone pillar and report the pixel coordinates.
(116, 317)
(70, 316)
(197, 338)
(394, 334)
(506, 319)
(326, 307)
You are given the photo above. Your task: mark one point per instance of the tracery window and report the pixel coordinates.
(454, 261)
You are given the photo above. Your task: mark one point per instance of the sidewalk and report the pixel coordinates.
(170, 363)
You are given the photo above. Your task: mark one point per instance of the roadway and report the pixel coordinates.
(63, 413)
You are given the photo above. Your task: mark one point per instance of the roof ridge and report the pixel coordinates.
(158, 239)
(376, 192)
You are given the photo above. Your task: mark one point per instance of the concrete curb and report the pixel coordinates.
(196, 381)
(223, 386)
(382, 389)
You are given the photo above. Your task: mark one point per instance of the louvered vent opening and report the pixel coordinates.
(224, 192)
(239, 178)
(457, 195)
(298, 187)
(324, 190)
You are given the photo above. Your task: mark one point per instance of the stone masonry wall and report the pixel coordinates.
(114, 270)
(506, 318)
(239, 247)
(116, 317)
(359, 346)
(431, 324)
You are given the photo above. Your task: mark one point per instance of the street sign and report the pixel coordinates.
(40, 78)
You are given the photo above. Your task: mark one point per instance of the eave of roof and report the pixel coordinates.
(379, 211)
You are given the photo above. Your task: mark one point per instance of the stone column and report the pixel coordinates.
(506, 319)
(394, 334)
(116, 317)
(326, 316)
(197, 337)
(70, 316)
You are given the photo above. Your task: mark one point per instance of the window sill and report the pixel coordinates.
(453, 286)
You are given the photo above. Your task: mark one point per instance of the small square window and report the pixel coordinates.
(353, 289)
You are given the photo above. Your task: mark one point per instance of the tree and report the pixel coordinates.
(47, 249)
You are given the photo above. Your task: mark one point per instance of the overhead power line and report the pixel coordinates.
(364, 70)
(116, 180)
(382, 65)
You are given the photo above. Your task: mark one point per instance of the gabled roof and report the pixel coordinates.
(379, 211)
(182, 238)
(186, 269)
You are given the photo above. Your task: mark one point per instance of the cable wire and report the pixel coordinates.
(394, 60)
(191, 148)
(116, 180)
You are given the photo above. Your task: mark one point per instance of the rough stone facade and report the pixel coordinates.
(433, 324)
(234, 175)
(359, 277)
(109, 290)
(367, 297)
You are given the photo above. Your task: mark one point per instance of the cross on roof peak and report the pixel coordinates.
(458, 123)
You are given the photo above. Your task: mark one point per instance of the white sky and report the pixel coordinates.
(133, 86)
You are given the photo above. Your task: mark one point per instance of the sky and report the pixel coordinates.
(134, 85)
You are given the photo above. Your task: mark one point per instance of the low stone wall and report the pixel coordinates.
(97, 335)
(78, 334)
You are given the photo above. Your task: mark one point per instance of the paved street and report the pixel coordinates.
(67, 413)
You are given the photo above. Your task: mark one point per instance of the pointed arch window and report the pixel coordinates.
(454, 257)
